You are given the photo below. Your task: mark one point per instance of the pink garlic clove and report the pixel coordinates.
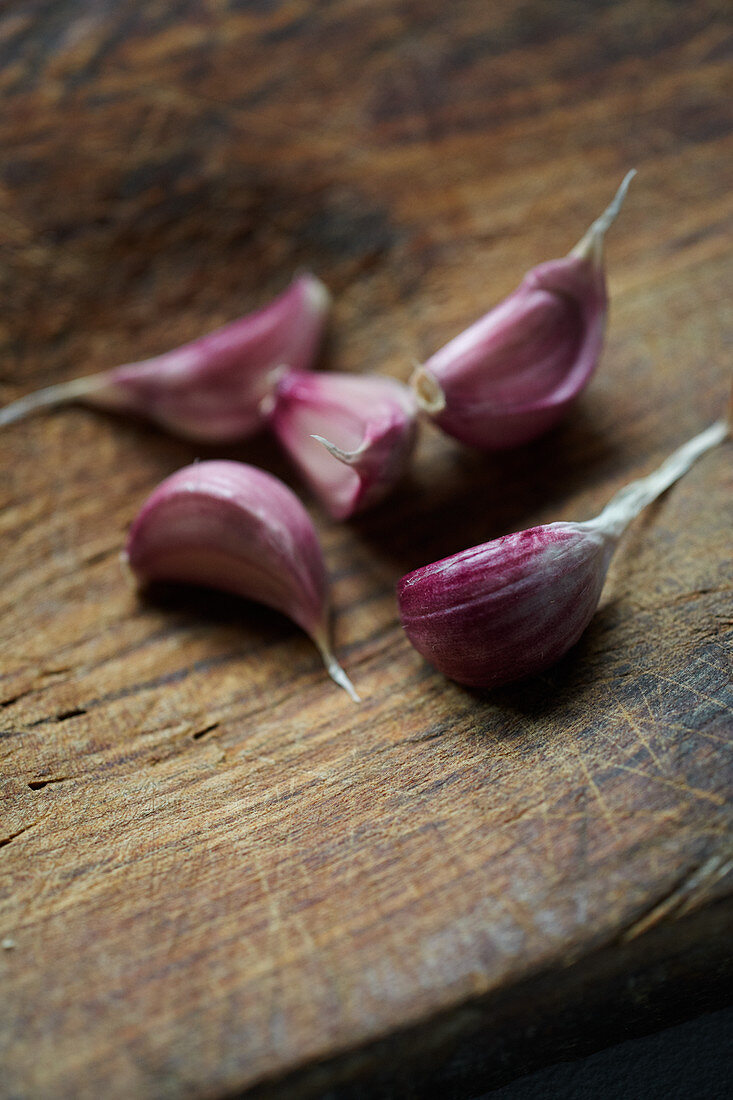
(237, 528)
(216, 388)
(513, 373)
(512, 607)
(506, 609)
(351, 436)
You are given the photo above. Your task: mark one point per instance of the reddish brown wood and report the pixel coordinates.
(218, 875)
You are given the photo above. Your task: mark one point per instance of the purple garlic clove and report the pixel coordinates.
(512, 607)
(513, 373)
(237, 528)
(506, 609)
(351, 436)
(215, 389)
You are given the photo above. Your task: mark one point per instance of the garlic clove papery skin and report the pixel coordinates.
(231, 526)
(512, 607)
(215, 389)
(514, 373)
(508, 608)
(351, 436)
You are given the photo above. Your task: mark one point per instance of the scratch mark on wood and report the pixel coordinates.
(727, 707)
(679, 727)
(694, 792)
(712, 870)
(605, 808)
(636, 728)
(549, 852)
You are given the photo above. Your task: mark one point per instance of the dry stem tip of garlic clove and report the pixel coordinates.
(351, 436)
(512, 374)
(233, 527)
(512, 607)
(214, 389)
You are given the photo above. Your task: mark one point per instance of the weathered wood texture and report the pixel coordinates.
(217, 872)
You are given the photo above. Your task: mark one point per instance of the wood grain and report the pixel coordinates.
(219, 876)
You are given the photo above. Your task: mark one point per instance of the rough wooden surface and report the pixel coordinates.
(217, 874)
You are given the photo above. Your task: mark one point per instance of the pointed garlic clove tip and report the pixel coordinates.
(515, 372)
(214, 389)
(351, 436)
(590, 246)
(350, 458)
(236, 528)
(334, 669)
(77, 389)
(512, 607)
(634, 497)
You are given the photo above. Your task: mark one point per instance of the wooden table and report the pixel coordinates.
(219, 876)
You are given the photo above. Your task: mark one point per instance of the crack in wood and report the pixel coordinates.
(202, 732)
(74, 712)
(15, 698)
(12, 836)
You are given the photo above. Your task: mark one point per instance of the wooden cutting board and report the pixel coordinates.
(218, 876)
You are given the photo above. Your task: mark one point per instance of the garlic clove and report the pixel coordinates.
(512, 375)
(512, 607)
(351, 436)
(214, 389)
(234, 527)
(508, 608)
